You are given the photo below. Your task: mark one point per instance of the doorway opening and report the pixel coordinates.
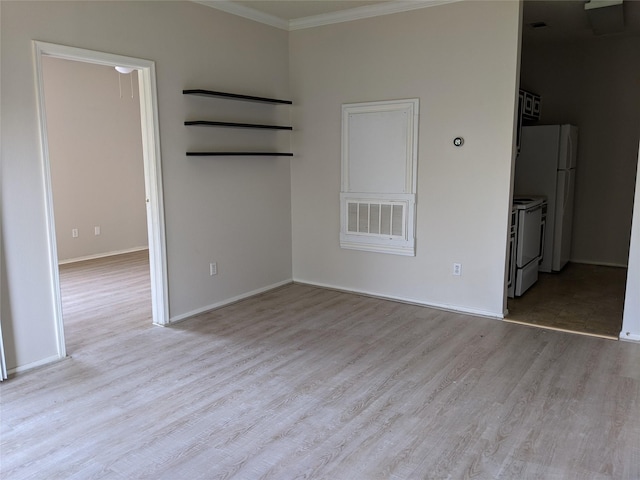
(151, 173)
(570, 69)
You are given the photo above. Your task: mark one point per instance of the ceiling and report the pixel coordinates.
(295, 9)
(296, 14)
(566, 20)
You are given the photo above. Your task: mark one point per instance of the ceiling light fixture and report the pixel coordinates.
(125, 70)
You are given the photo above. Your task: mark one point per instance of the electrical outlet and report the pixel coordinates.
(96, 230)
(74, 232)
(213, 269)
(457, 269)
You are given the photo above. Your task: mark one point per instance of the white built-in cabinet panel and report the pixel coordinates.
(379, 163)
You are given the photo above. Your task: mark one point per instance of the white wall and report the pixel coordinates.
(631, 316)
(594, 85)
(461, 60)
(95, 152)
(235, 211)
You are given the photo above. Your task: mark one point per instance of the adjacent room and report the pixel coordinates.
(95, 155)
(310, 278)
(583, 79)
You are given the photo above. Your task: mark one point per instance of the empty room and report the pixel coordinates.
(323, 286)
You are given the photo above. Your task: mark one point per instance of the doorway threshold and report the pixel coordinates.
(560, 329)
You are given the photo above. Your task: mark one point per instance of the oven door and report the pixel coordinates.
(511, 273)
(529, 223)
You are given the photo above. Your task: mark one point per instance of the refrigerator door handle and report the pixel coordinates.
(570, 152)
(567, 180)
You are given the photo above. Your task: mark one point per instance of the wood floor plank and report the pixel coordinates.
(303, 382)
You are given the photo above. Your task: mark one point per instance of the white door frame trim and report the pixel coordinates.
(152, 174)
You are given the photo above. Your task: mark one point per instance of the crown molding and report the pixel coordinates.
(246, 12)
(358, 13)
(366, 11)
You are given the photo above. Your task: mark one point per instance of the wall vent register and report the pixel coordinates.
(379, 162)
(366, 218)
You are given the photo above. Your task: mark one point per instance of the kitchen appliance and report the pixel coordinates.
(546, 166)
(511, 272)
(529, 241)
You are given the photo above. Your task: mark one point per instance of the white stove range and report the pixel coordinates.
(529, 215)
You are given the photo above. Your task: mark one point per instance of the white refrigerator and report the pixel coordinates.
(546, 166)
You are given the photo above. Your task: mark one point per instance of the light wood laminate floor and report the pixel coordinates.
(303, 382)
(587, 299)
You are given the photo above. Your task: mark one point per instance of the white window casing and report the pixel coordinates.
(379, 166)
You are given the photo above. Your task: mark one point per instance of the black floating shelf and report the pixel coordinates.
(235, 96)
(238, 154)
(237, 125)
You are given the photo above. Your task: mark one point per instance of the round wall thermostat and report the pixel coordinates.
(458, 141)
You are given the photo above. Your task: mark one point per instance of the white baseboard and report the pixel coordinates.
(102, 255)
(40, 363)
(630, 337)
(228, 301)
(412, 301)
(601, 264)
